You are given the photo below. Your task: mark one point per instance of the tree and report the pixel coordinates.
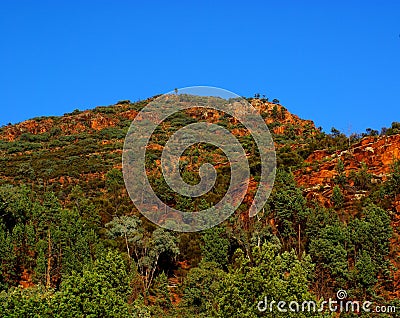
(372, 234)
(362, 178)
(365, 271)
(275, 101)
(160, 292)
(395, 129)
(328, 251)
(273, 276)
(288, 208)
(160, 242)
(200, 288)
(84, 208)
(126, 227)
(370, 132)
(100, 291)
(146, 248)
(335, 132)
(215, 248)
(115, 186)
(337, 197)
(340, 178)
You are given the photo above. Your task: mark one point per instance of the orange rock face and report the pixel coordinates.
(378, 153)
(69, 124)
(29, 126)
(317, 155)
(99, 122)
(85, 121)
(130, 114)
(277, 113)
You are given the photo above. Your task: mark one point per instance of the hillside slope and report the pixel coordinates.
(333, 217)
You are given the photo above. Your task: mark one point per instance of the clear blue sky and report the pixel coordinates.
(337, 63)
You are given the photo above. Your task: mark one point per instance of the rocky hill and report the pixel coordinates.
(93, 140)
(375, 154)
(334, 195)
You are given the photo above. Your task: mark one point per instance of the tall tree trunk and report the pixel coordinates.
(127, 249)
